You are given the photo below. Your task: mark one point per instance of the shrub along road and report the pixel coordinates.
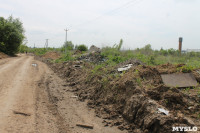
(29, 93)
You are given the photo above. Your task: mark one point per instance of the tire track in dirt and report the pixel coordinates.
(45, 108)
(71, 110)
(47, 117)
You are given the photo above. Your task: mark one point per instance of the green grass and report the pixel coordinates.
(147, 55)
(65, 57)
(153, 57)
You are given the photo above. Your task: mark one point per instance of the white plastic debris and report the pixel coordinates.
(125, 68)
(198, 72)
(166, 112)
(34, 65)
(190, 107)
(74, 96)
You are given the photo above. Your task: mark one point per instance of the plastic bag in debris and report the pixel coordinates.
(166, 112)
(125, 68)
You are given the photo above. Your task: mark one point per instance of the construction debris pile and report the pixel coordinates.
(134, 97)
(93, 56)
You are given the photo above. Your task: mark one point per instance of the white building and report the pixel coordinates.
(192, 50)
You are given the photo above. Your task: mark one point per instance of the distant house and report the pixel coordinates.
(192, 50)
(183, 51)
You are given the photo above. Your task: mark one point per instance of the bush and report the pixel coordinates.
(82, 47)
(23, 48)
(69, 45)
(65, 57)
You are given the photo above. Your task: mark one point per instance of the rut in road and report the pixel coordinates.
(37, 91)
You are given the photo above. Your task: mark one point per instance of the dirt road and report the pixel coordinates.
(33, 99)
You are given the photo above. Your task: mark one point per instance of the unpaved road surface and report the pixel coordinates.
(33, 99)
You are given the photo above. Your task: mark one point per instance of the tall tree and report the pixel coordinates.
(11, 35)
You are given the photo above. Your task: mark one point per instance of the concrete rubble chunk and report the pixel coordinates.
(94, 49)
(179, 80)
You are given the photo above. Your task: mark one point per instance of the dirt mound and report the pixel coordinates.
(2, 55)
(133, 100)
(196, 73)
(168, 68)
(52, 55)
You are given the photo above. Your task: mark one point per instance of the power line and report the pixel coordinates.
(97, 18)
(109, 12)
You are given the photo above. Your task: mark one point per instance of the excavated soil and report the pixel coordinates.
(2, 55)
(131, 100)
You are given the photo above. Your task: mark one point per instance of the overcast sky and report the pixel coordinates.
(104, 22)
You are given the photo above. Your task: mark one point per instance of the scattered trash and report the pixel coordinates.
(92, 57)
(74, 96)
(152, 107)
(77, 66)
(179, 80)
(190, 107)
(21, 113)
(166, 112)
(198, 71)
(34, 64)
(78, 62)
(85, 126)
(125, 68)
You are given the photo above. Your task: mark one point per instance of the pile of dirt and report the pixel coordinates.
(52, 55)
(133, 100)
(168, 68)
(2, 55)
(137, 97)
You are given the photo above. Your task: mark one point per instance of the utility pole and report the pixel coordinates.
(46, 44)
(180, 44)
(66, 40)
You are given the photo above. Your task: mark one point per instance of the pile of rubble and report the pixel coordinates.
(93, 55)
(139, 99)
